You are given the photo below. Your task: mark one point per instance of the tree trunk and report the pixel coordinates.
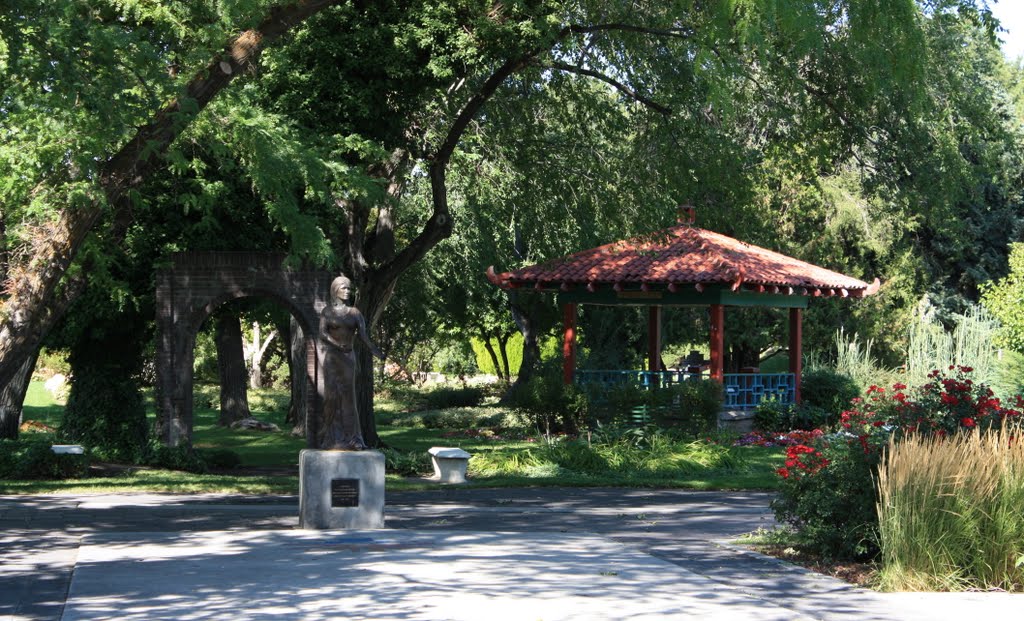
(12, 398)
(494, 356)
(234, 402)
(531, 347)
(297, 373)
(503, 348)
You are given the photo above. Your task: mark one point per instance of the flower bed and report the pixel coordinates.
(828, 490)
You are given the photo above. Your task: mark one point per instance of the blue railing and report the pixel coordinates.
(743, 391)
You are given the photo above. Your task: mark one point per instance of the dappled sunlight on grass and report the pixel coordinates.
(701, 467)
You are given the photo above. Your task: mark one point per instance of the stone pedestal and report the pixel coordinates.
(341, 489)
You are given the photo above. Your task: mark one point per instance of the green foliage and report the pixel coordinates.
(828, 490)
(445, 397)
(828, 390)
(855, 361)
(828, 495)
(105, 412)
(456, 360)
(638, 452)
(464, 418)
(30, 457)
(219, 458)
(407, 463)
(179, 457)
(51, 362)
(513, 348)
(549, 403)
(1003, 298)
(688, 408)
(773, 416)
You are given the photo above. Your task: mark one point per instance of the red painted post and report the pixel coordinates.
(718, 342)
(796, 349)
(654, 341)
(654, 338)
(568, 343)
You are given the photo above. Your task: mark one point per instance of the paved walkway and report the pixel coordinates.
(449, 554)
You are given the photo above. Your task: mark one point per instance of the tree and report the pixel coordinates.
(76, 148)
(1004, 299)
(380, 94)
(234, 401)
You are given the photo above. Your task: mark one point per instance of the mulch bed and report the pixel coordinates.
(859, 574)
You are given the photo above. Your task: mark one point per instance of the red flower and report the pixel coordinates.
(899, 386)
(967, 421)
(783, 472)
(949, 399)
(965, 369)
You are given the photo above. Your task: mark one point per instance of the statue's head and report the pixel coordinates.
(341, 288)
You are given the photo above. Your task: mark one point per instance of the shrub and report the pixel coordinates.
(827, 493)
(105, 412)
(179, 457)
(828, 490)
(467, 418)
(690, 407)
(773, 416)
(444, 397)
(828, 390)
(407, 463)
(550, 404)
(32, 458)
(219, 458)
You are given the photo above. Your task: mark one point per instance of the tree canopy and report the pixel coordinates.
(880, 138)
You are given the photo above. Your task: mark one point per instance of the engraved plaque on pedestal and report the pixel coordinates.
(344, 492)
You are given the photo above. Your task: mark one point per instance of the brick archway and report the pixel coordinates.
(196, 284)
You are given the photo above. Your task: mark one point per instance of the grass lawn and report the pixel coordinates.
(746, 467)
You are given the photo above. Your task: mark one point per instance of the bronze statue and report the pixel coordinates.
(339, 325)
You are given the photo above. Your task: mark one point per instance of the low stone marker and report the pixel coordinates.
(449, 464)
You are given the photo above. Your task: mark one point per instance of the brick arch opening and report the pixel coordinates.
(193, 287)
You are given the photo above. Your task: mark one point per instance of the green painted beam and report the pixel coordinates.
(686, 296)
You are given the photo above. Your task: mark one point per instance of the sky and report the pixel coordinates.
(1011, 14)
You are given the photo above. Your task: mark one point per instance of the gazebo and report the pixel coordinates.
(687, 266)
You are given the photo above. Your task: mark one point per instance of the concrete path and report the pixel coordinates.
(448, 554)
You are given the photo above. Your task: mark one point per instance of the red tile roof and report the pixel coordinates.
(685, 255)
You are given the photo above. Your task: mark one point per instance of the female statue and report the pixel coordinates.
(339, 325)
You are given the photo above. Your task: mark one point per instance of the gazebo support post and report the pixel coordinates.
(654, 341)
(718, 342)
(568, 343)
(796, 351)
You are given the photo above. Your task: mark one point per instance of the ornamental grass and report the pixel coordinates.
(951, 512)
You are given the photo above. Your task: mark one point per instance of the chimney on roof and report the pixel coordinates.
(687, 214)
